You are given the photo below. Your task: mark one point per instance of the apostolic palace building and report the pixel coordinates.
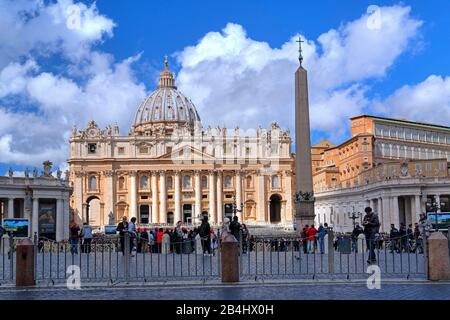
(169, 168)
(398, 167)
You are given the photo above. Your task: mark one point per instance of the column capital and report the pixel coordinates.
(197, 172)
(212, 172)
(177, 173)
(79, 174)
(108, 173)
(239, 172)
(153, 173)
(133, 173)
(162, 173)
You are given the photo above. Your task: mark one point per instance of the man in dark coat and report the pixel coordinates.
(205, 235)
(122, 227)
(371, 225)
(235, 228)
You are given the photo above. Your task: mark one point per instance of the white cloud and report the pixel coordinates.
(34, 26)
(428, 100)
(39, 106)
(238, 80)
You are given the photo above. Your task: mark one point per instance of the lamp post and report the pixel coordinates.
(354, 215)
(435, 207)
(235, 208)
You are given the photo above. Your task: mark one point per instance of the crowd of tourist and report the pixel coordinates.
(178, 239)
(204, 239)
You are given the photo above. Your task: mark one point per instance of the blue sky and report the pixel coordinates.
(238, 56)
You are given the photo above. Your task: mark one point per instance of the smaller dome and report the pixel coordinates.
(166, 104)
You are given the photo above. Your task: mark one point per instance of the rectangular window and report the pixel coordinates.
(143, 150)
(121, 150)
(169, 150)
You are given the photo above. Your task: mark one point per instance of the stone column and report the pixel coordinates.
(154, 197)
(10, 213)
(78, 195)
(239, 193)
(133, 195)
(380, 214)
(417, 207)
(371, 204)
(386, 213)
(66, 218)
(109, 205)
(59, 219)
(163, 197)
(395, 219)
(261, 203)
(177, 184)
(219, 198)
(212, 197)
(198, 196)
(35, 218)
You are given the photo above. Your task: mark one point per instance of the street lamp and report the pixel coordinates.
(435, 207)
(354, 216)
(235, 209)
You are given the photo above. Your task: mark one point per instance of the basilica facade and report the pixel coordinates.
(170, 168)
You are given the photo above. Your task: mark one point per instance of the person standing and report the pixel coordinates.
(235, 228)
(371, 225)
(321, 232)
(122, 227)
(132, 232)
(355, 233)
(86, 235)
(393, 239)
(311, 233)
(304, 239)
(74, 237)
(205, 235)
(425, 226)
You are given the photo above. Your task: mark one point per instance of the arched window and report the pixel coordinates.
(92, 183)
(204, 182)
(275, 182)
(169, 183)
(144, 183)
(228, 182)
(187, 182)
(121, 183)
(249, 182)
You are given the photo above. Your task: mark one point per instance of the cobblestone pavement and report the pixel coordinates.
(304, 291)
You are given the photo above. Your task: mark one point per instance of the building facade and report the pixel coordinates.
(397, 167)
(41, 198)
(169, 168)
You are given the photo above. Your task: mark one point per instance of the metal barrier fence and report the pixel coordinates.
(263, 258)
(108, 260)
(298, 258)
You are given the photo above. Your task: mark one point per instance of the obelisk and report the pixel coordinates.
(304, 197)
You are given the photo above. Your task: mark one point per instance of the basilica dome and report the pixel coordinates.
(166, 105)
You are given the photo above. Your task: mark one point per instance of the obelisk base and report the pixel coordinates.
(304, 215)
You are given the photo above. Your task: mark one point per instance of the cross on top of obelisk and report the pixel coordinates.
(300, 56)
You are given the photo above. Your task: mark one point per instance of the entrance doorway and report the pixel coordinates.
(228, 212)
(275, 208)
(187, 213)
(144, 214)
